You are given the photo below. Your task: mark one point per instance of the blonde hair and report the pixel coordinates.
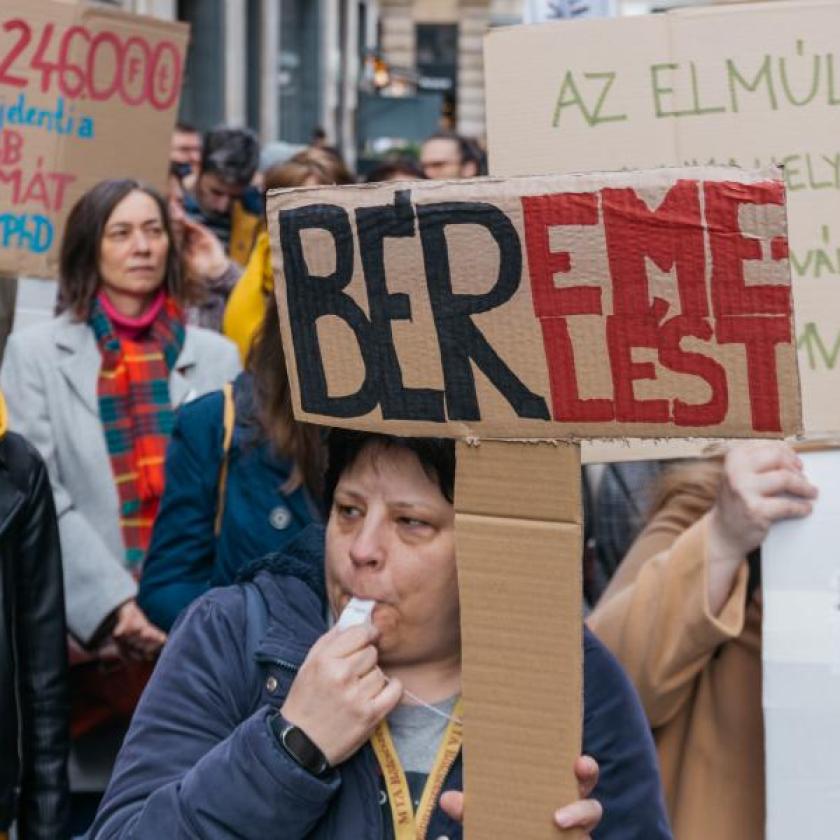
(314, 165)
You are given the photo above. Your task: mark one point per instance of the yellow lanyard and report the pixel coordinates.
(407, 824)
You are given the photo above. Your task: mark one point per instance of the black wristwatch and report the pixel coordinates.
(299, 746)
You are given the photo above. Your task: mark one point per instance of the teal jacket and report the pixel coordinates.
(185, 556)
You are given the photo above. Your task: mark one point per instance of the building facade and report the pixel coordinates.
(441, 42)
(282, 67)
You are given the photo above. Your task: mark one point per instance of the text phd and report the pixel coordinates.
(673, 237)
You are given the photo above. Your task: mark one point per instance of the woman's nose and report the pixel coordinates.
(141, 243)
(368, 547)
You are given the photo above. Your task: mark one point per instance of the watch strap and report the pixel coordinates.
(299, 746)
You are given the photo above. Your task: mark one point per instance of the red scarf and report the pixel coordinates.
(136, 414)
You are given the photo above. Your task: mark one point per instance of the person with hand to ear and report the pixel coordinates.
(209, 274)
(683, 616)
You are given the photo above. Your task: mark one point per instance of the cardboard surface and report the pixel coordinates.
(645, 304)
(638, 449)
(801, 662)
(86, 93)
(518, 532)
(751, 85)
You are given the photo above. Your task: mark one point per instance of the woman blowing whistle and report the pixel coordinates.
(283, 726)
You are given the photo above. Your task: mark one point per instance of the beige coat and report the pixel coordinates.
(49, 375)
(699, 676)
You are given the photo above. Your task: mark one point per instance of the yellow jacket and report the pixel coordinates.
(246, 305)
(245, 228)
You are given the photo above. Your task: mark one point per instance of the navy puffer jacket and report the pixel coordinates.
(200, 760)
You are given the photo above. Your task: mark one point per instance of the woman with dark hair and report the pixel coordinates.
(95, 390)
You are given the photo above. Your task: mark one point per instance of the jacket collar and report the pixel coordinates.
(77, 343)
(292, 583)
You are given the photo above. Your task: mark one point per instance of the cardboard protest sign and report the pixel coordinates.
(654, 304)
(801, 662)
(86, 93)
(749, 85)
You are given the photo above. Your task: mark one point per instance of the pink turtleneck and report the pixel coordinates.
(132, 329)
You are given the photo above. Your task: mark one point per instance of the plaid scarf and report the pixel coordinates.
(137, 417)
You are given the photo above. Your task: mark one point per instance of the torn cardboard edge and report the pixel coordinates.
(664, 449)
(446, 309)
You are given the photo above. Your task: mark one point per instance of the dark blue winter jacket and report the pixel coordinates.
(185, 557)
(200, 760)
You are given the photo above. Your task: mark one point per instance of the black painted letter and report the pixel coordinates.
(309, 296)
(373, 225)
(459, 338)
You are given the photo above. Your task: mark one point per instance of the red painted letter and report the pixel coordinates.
(552, 304)
(730, 294)
(759, 336)
(624, 332)
(675, 358)
(671, 235)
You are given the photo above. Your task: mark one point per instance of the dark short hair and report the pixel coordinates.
(186, 128)
(466, 151)
(398, 167)
(436, 456)
(231, 153)
(78, 261)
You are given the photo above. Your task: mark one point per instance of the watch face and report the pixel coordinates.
(301, 748)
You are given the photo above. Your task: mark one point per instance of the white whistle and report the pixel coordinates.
(357, 611)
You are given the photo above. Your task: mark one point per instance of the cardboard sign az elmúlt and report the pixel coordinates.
(649, 304)
(750, 84)
(86, 93)
(655, 302)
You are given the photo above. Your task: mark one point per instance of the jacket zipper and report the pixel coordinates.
(280, 663)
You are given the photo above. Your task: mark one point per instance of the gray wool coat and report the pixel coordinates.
(49, 376)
